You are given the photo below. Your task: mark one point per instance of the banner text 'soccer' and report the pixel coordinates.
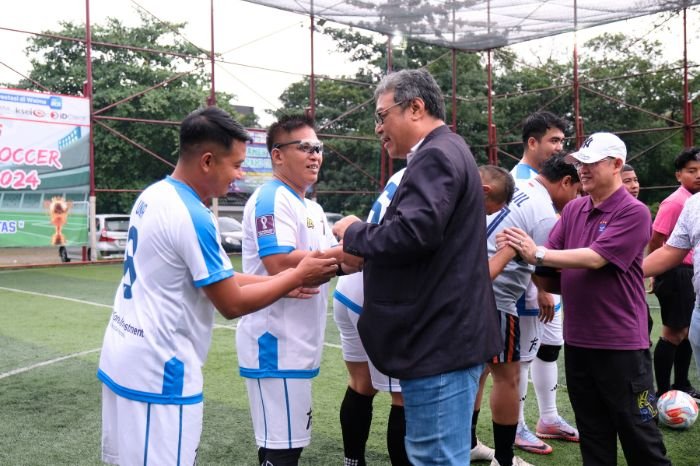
(44, 169)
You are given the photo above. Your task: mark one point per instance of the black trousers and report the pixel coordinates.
(612, 393)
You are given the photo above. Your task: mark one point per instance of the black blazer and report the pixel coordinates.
(429, 306)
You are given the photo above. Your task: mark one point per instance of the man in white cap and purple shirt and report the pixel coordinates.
(598, 244)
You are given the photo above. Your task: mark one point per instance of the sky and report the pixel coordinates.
(253, 36)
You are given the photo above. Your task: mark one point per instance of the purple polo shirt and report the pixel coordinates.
(605, 308)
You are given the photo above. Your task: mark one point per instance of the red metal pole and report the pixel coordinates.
(454, 90)
(578, 121)
(88, 91)
(688, 105)
(492, 150)
(384, 159)
(212, 95)
(312, 78)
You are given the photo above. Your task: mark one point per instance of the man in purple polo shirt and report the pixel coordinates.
(599, 244)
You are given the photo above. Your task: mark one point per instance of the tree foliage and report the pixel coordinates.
(58, 64)
(619, 76)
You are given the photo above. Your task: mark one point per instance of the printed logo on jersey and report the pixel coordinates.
(602, 225)
(309, 223)
(265, 225)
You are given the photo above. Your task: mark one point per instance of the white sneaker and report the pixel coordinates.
(517, 461)
(481, 452)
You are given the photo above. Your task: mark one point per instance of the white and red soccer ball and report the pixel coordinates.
(677, 409)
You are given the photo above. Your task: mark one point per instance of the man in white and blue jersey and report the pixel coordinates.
(175, 274)
(364, 379)
(540, 312)
(279, 348)
(533, 208)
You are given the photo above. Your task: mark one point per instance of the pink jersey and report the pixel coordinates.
(667, 216)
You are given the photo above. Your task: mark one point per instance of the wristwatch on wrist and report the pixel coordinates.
(539, 254)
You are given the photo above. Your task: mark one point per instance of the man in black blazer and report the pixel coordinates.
(429, 316)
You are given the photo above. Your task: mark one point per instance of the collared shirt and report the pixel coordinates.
(667, 216)
(605, 307)
(413, 150)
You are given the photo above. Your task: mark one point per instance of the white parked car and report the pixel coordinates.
(111, 231)
(231, 232)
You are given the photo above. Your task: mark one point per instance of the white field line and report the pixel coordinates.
(83, 353)
(47, 363)
(53, 296)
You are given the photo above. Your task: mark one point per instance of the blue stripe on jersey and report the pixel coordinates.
(145, 397)
(265, 205)
(268, 357)
(207, 237)
(353, 306)
(268, 362)
(278, 374)
(289, 414)
(524, 171)
(500, 216)
(173, 377)
(376, 210)
(522, 311)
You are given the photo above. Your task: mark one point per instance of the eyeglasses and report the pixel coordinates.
(579, 165)
(379, 116)
(305, 146)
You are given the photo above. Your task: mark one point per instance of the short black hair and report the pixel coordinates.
(537, 124)
(556, 168)
(285, 125)
(688, 155)
(627, 168)
(499, 175)
(210, 124)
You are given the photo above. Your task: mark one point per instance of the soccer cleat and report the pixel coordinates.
(481, 452)
(560, 430)
(527, 441)
(517, 461)
(689, 390)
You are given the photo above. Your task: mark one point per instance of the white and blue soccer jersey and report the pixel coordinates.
(532, 211)
(527, 305)
(159, 332)
(285, 339)
(349, 289)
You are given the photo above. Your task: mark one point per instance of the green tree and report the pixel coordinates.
(118, 73)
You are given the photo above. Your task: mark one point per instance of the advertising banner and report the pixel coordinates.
(257, 165)
(44, 169)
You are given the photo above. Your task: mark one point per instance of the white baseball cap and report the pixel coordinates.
(599, 146)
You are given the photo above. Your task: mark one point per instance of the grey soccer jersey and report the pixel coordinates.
(530, 210)
(686, 234)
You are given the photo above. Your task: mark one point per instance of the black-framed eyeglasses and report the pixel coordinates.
(379, 116)
(305, 146)
(578, 165)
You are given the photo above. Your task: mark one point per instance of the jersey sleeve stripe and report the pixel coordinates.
(353, 306)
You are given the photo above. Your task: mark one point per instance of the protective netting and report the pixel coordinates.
(473, 24)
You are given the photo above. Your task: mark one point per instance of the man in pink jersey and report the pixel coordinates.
(674, 288)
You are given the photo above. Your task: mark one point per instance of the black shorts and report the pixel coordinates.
(674, 289)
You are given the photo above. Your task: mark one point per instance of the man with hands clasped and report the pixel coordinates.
(598, 244)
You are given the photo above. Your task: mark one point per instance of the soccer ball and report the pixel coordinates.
(677, 409)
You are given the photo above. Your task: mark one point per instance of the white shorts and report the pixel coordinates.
(530, 337)
(281, 412)
(353, 351)
(134, 432)
(552, 332)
